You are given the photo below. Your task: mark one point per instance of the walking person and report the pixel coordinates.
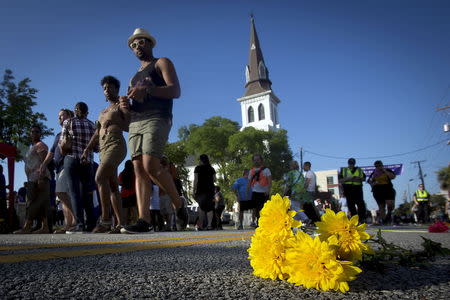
(79, 171)
(423, 203)
(294, 188)
(219, 207)
(128, 193)
(62, 187)
(204, 177)
(260, 181)
(152, 90)
(112, 121)
(351, 179)
(383, 191)
(38, 184)
(244, 197)
(311, 188)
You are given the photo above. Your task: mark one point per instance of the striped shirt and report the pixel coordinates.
(81, 131)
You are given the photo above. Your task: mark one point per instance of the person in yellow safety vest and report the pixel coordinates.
(422, 200)
(351, 180)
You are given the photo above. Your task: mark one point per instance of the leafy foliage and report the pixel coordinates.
(16, 113)
(389, 252)
(232, 150)
(443, 176)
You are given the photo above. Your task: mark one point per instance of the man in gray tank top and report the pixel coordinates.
(152, 90)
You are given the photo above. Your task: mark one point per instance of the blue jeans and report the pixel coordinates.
(79, 179)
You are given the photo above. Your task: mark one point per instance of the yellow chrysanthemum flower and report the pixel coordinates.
(267, 254)
(268, 246)
(349, 236)
(276, 218)
(313, 264)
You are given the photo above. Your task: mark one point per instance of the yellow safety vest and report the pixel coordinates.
(422, 195)
(358, 173)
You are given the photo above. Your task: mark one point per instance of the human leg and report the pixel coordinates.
(161, 176)
(143, 189)
(72, 169)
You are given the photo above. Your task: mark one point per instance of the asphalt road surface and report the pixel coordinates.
(190, 265)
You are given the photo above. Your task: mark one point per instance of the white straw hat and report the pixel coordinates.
(141, 33)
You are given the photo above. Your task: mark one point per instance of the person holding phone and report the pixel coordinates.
(151, 93)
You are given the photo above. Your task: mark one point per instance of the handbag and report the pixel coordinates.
(65, 145)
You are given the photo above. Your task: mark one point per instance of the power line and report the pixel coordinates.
(375, 157)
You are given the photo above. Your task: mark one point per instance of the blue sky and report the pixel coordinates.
(356, 78)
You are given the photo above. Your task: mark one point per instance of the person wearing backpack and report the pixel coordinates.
(260, 181)
(383, 191)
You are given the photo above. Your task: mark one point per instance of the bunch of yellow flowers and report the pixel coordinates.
(324, 262)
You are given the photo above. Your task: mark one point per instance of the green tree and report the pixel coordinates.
(232, 150)
(211, 138)
(16, 112)
(443, 176)
(176, 153)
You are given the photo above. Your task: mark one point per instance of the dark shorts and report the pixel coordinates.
(205, 201)
(246, 205)
(128, 202)
(259, 199)
(383, 193)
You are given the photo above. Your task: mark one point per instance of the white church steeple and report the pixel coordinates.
(259, 105)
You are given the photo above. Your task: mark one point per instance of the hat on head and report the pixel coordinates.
(351, 160)
(141, 33)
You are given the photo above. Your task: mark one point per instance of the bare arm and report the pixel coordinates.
(170, 91)
(124, 107)
(45, 163)
(92, 143)
(269, 178)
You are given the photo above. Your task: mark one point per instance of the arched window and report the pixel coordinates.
(251, 115)
(261, 115)
(262, 70)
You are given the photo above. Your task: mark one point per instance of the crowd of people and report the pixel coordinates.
(149, 196)
(146, 113)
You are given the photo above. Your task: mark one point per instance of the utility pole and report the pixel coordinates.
(301, 159)
(420, 171)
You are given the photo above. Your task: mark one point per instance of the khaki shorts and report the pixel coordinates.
(148, 136)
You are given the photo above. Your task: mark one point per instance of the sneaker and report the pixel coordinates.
(77, 229)
(141, 226)
(253, 224)
(240, 227)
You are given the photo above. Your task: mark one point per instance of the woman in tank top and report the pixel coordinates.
(112, 121)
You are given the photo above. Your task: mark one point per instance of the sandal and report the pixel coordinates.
(102, 227)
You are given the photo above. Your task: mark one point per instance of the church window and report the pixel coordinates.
(261, 115)
(251, 115)
(262, 70)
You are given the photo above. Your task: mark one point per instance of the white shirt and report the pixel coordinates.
(312, 180)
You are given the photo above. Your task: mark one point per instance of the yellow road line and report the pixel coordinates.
(61, 245)
(395, 230)
(14, 258)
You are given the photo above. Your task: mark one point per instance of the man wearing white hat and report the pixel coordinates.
(152, 90)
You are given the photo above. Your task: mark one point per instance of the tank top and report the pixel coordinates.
(151, 106)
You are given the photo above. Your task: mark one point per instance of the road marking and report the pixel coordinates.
(395, 230)
(62, 245)
(14, 258)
